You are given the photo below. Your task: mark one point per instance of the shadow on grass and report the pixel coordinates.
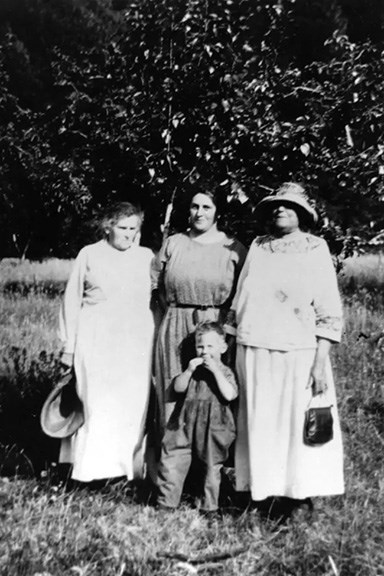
(24, 385)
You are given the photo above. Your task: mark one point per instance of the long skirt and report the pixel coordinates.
(271, 458)
(112, 365)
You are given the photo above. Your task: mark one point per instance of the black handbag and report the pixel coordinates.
(318, 426)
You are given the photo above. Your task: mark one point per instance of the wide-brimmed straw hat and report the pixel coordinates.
(62, 413)
(291, 193)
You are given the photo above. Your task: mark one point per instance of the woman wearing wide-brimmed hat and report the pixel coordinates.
(288, 312)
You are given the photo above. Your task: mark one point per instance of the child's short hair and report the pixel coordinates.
(210, 326)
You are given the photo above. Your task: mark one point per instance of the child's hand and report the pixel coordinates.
(194, 363)
(210, 364)
(66, 363)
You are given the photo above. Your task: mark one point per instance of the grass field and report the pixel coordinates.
(48, 530)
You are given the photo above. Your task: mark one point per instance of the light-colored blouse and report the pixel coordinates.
(110, 282)
(287, 294)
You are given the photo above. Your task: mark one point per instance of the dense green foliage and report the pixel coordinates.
(104, 99)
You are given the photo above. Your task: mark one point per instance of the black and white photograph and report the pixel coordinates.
(191, 287)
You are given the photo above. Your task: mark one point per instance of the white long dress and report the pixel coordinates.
(107, 323)
(287, 297)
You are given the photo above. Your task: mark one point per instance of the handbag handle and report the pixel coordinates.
(321, 401)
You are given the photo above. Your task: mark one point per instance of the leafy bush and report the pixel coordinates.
(131, 100)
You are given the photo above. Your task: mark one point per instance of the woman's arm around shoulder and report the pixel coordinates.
(230, 323)
(160, 260)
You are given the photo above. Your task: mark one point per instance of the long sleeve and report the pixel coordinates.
(230, 324)
(72, 302)
(287, 295)
(241, 255)
(157, 266)
(326, 302)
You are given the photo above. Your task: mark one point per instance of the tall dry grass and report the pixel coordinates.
(13, 269)
(48, 530)
(366, 270)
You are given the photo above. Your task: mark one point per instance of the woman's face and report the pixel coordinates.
(202, 213)
(285, 219)
(122, 234)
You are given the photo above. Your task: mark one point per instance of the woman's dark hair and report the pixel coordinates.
(217, 196)
(184, 197)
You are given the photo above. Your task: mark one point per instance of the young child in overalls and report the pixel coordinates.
(202, 425)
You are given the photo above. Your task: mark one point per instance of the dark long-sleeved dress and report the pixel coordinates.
(198, 281)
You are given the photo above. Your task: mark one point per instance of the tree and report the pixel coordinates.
(104, 100)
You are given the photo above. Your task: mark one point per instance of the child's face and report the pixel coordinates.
(210, 345)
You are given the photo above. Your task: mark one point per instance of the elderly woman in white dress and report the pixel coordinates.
(288, 312)
(107, 329)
